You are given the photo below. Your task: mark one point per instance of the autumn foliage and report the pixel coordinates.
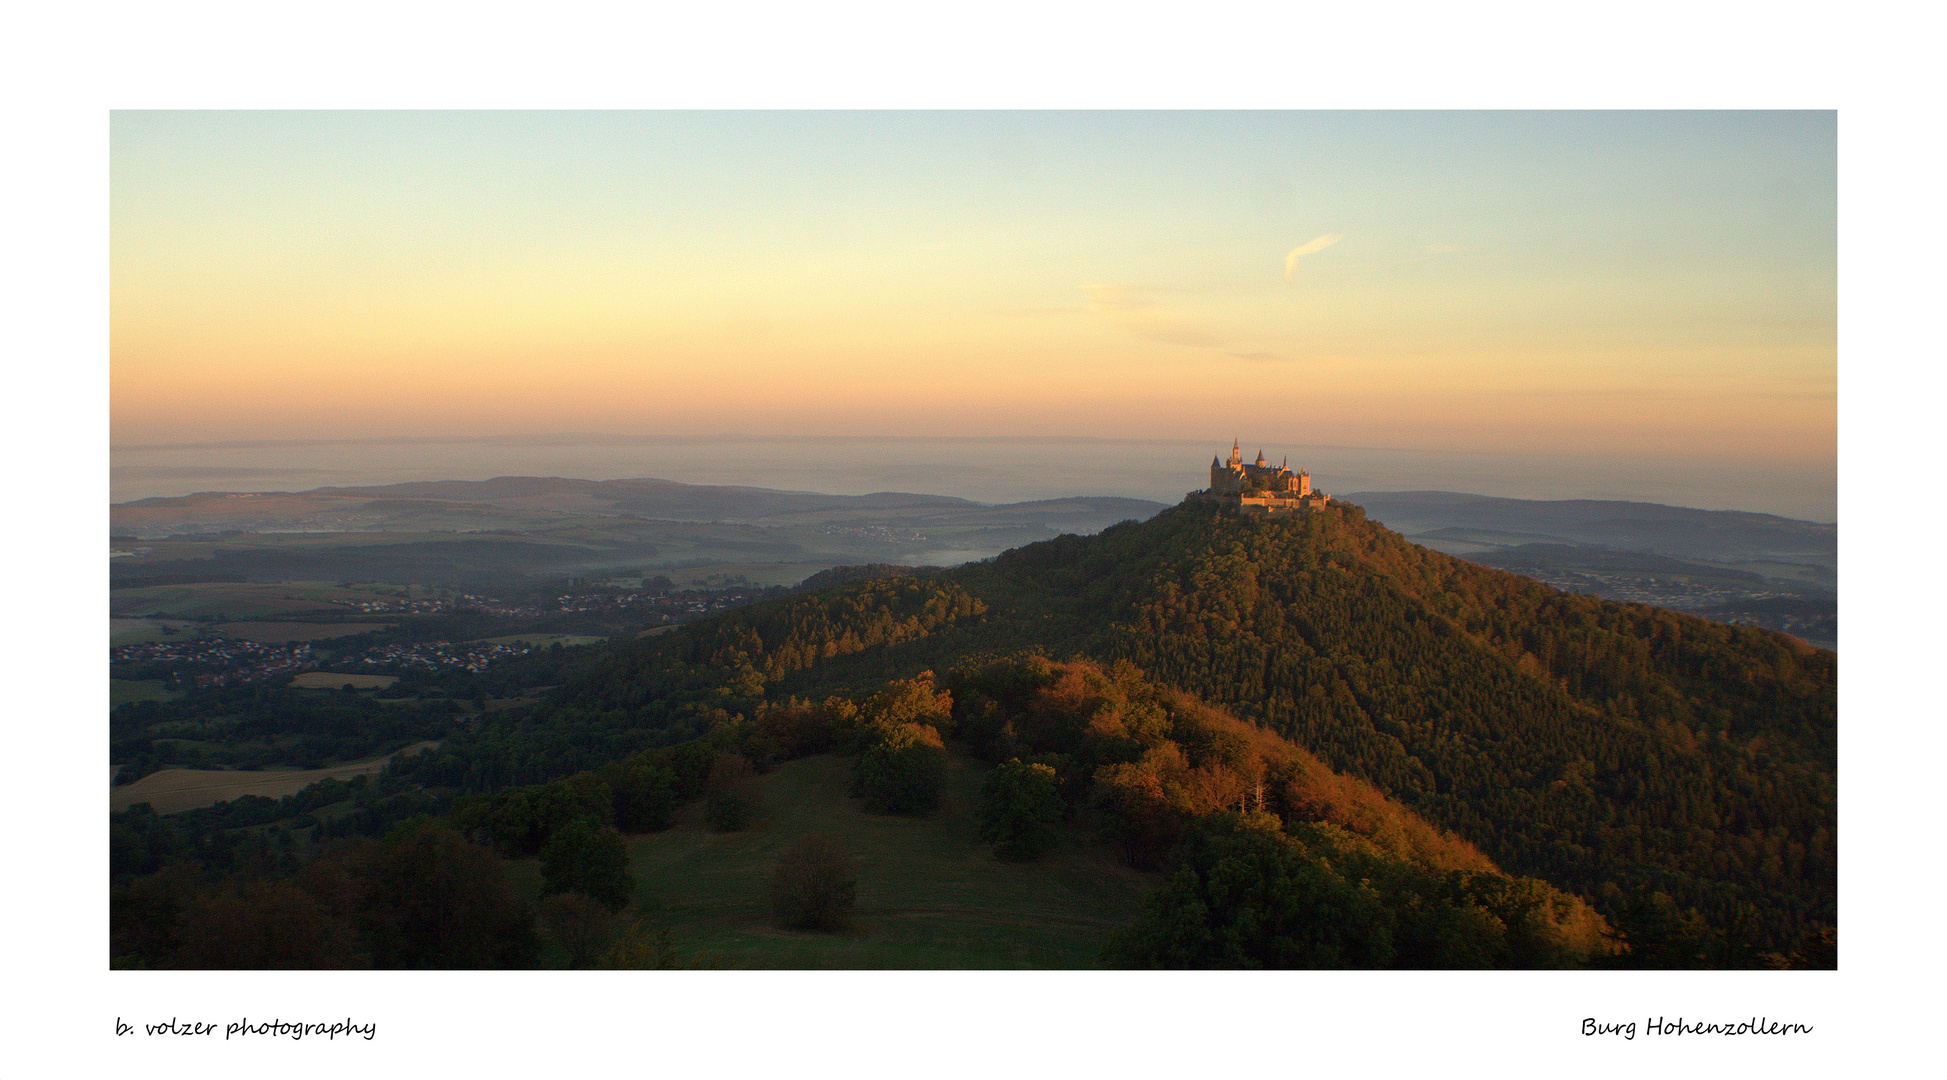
(1275, 860)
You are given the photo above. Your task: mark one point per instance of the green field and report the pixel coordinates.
(333, 680)
(232, 600)
(143, 631)
(930, 893)
(541, 641)
(123, 691)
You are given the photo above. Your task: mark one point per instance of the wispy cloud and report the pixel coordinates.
(1310, 248)
(1142, 312)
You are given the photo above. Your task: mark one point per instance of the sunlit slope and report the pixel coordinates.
(1579, 740)
(1613, 750)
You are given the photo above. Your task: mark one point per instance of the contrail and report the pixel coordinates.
(1320, 244)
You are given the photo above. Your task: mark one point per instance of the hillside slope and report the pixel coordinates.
(1584, 741)
(1619, 751)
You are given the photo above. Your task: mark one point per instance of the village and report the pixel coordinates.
(218, 661)
(211, 655)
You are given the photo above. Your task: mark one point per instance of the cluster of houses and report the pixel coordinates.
(474, 656)
(233, 660)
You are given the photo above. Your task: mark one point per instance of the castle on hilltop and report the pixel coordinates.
(1259, 488)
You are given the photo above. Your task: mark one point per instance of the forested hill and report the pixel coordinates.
(1616, 750)
(1679, 773)
(1620, 751)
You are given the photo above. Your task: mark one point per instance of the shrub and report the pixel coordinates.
(732, 801)
(431, 899)
(644, 795)
(814, 886)
(581, 925)
(589, 860)
(643, 946)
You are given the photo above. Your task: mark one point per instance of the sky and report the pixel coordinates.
(1605, 283)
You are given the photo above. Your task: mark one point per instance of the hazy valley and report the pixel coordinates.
(1754, 569)
(1750, 569)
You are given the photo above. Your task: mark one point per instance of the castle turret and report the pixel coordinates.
(1260, 488)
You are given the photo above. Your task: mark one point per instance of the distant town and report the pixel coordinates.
(207, 654)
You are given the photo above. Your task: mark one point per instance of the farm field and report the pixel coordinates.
(173, 790)
(541, 641)
(331, 680)
(143, 631)
(123, 691)
(272, 633)
(232, 600)
(931, 894)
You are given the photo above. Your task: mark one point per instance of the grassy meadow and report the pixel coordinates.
(931, 894)
(144, 631)
(278, 633)
(231, 600)
(540, 641)
(332, 680)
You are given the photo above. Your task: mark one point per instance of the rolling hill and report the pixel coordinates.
(1617, 751)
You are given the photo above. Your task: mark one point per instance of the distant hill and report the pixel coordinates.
(1732, 565)
(1719, 535)
(650, 498)
(514, 528)
(369, 507)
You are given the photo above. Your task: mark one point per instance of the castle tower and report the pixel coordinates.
(1259, 487)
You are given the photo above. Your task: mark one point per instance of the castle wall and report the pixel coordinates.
(1259, 488)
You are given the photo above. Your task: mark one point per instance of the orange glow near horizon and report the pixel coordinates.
(1141, 275)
